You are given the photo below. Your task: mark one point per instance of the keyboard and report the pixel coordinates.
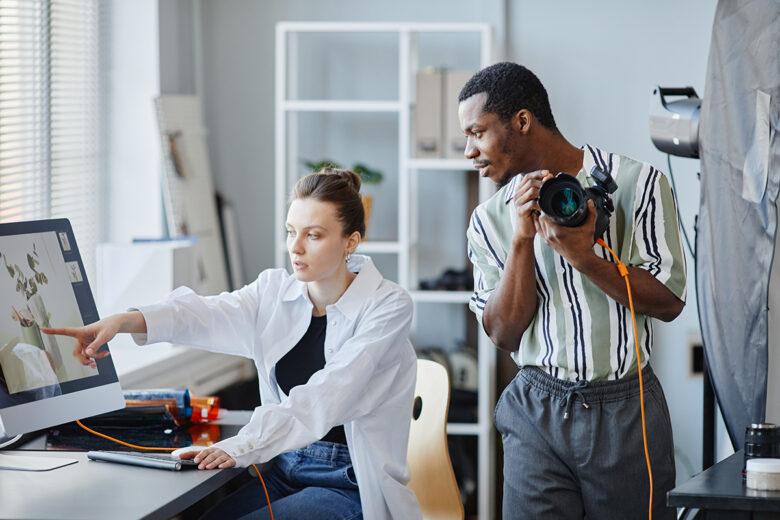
(157, 460)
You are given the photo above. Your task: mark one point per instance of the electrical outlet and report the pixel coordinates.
(696, 358)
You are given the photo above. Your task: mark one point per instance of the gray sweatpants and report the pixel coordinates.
(574, 450)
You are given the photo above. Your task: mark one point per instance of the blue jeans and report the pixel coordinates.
(314, 482)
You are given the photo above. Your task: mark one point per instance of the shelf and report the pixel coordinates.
(379, 247)
(441, 164)
(326, 105)
(413, 174)
(380, 27)
(371, 247)
(441, 296)
(464, 429)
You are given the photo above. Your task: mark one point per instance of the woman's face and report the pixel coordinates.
(315, 240)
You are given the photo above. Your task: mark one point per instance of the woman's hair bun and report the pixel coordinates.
(341, 187)
(352, 178)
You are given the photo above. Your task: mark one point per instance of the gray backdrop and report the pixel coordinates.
(738, 215)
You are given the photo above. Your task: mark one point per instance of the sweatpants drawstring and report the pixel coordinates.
(572, 391)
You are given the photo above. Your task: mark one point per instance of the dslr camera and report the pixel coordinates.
(565, 201)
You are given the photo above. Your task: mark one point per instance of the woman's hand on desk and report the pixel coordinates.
(210, 458)
(90, 338)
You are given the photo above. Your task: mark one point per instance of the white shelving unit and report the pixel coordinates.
(288, 109)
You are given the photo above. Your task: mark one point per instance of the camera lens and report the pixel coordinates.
(566, 202)
(563, 199)
(762, 440)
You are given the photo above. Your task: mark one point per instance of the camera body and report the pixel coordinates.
(565, 201)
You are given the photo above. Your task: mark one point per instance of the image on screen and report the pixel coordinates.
(38, 288)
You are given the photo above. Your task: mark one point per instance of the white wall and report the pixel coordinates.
(177, 36)
(134, 155)
(599, 61)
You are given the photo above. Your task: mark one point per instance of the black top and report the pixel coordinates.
(305, 358)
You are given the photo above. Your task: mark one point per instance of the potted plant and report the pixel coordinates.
(367, 176)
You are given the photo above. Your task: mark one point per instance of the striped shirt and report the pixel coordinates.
(578, 332)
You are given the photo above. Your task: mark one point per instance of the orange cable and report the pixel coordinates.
(624, 273)
(267, 498)
(123, 443)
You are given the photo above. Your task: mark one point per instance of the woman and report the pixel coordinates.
(336, 368)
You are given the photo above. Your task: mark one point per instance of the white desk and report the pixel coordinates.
(102, 490)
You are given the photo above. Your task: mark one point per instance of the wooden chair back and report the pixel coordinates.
(432, 478)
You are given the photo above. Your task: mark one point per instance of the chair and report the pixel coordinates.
(432, 477)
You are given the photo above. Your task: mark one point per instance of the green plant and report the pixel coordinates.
(24, 285)
(367, 175)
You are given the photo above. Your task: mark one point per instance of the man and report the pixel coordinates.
(570, 421)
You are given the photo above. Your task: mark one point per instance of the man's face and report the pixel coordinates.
(490, 142)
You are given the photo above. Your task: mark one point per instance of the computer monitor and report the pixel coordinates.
(43, 284)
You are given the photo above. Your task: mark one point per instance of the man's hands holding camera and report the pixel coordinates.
(526, 201)
(575, 244)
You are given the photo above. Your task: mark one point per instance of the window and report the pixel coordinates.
(50, 116)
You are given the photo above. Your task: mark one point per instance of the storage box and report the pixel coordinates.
(454, 139)
(427, 115)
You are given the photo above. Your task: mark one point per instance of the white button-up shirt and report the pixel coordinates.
(367, 383)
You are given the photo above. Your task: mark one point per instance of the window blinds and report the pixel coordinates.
(50, 115)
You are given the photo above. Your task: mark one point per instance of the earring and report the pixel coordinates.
(348, 257)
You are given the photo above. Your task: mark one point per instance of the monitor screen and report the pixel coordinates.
(43, 284)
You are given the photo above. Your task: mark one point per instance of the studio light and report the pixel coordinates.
(674, 125)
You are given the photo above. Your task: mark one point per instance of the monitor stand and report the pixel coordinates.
(32, 463)
(19, 462)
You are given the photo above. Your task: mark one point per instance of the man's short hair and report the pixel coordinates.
(510, 88)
